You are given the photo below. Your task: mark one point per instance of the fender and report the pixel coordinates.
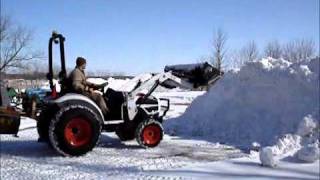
(78, 97)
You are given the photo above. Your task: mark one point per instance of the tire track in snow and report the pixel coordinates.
(25, 158)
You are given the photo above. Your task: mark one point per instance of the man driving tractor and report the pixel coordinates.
(82, 86)
(72, 125)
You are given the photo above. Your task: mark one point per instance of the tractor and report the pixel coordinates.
(72, 123)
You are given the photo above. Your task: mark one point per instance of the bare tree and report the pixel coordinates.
(249, 52)
(233, 59)
(4, 24)
(15, 45)
(219, 51)
(299, 49)
(273, 49)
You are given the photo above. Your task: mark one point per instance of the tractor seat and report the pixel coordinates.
(114, 100)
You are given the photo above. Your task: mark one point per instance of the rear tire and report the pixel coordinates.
(75, 130)
(43, 122)
(149, 133)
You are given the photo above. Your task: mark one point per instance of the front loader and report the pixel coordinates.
(72, 123)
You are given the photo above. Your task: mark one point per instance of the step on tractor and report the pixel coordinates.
(72, 123)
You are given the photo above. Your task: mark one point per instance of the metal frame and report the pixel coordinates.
(57, 39)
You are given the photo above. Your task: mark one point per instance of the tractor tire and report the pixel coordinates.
(75, 130)
(43, 122)
(125, 133)
(149, 133)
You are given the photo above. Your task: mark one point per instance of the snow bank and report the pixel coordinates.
(261, 102)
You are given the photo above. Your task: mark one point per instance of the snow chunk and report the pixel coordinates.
(305, 70)
(288, 143)
(306, 126)
(267, 157)
(309, 153)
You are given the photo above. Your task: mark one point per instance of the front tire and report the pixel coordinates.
(149, 133)
(75, 130)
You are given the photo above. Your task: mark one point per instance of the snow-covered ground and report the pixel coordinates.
(244, 168)
(25, 158)
(174, 158)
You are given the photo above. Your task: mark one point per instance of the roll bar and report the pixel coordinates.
(57, 39)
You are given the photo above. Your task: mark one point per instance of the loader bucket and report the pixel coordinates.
(200, 74)
(9, 117)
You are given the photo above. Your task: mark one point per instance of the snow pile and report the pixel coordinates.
(179, 100)
(261, 102)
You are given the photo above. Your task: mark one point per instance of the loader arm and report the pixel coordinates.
(187, 76)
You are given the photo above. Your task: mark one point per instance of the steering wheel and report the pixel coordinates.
(100, 87)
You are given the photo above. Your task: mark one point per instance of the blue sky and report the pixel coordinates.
(135, 36)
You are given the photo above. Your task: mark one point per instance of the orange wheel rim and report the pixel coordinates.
(151, 135)
(78, 132)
